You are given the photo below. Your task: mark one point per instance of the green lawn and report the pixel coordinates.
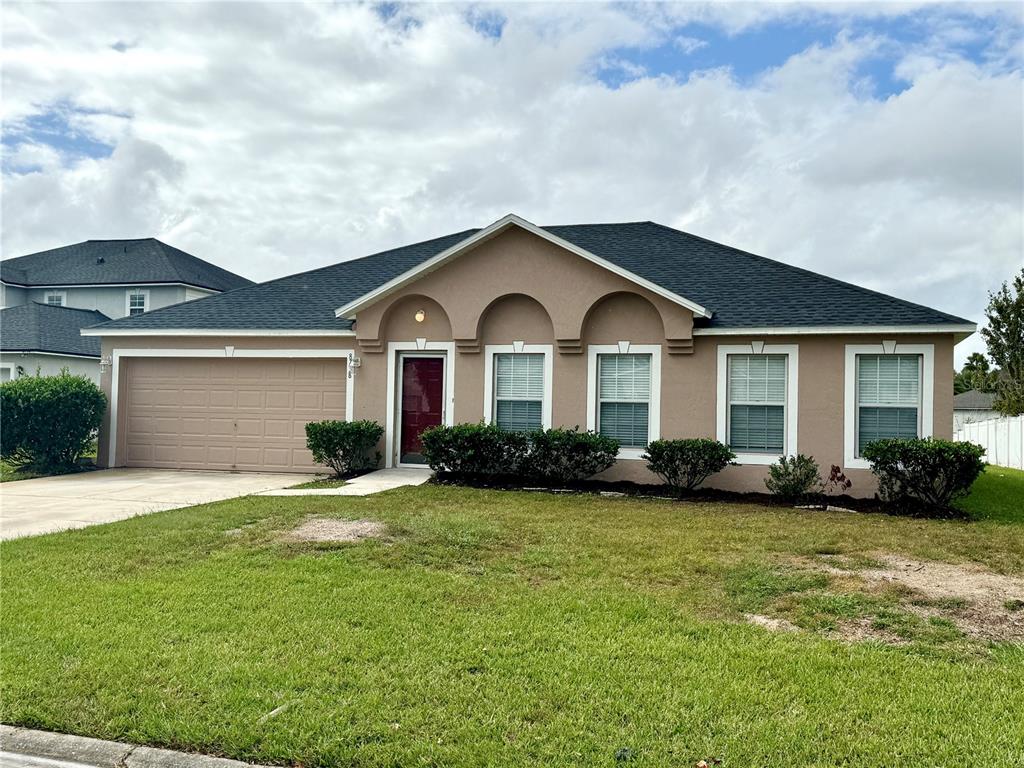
(322, 482)
(506, 629)
(997, 495)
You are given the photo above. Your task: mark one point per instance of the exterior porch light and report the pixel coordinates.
(420, 316)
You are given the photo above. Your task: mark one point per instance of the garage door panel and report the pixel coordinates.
(308, 401)
(242, 413)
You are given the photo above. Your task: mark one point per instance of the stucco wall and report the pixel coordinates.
(12, 296)
(50, 365)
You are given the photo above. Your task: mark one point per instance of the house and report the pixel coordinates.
(44, 338)
(973, 405)
(105, 278)
(636, 330)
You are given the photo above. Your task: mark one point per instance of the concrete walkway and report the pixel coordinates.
(375, 482)
(26, 748)
(48, 504)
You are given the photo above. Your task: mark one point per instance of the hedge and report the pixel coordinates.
(347, 447)
(48, 422)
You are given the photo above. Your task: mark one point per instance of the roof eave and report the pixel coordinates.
(349, 311)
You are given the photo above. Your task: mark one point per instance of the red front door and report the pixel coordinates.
(422, 404)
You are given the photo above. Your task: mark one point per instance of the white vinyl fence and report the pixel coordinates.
(1002, 439)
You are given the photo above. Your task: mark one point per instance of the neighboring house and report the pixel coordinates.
(111, 278)
(636, 330)
(42, 338)
(973, 405)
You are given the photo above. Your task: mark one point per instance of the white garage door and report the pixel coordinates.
(234, 414)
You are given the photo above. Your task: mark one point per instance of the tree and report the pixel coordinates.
(1005, 339)
(977, 373)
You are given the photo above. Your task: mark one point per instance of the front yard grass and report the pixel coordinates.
(997, 495)
(506, 629)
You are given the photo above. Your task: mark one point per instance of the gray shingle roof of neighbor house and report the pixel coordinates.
(110, 262)
(35, 327)
(740, 289)
(973, 400)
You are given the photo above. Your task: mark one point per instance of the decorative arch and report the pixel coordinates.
(515, 317)
(399, 320)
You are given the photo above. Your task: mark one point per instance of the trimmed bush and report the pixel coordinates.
(487, 452)
(48, 422)
(474, 451)
(569, 455)
(794, 478)
(924, 476)
(347, 447)
(685, 464)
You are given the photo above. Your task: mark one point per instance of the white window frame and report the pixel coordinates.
(925, 416)
(63, 298)
(144, 292)
(792, 353)
(9, 367)
(518, 348)
(654, 407)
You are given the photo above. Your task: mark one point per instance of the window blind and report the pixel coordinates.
(624, 395)
(519, 391)
(888, 397)
(757, 402)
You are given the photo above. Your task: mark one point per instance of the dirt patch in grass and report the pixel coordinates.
(975, 600)
(768, 622)
(333, 530)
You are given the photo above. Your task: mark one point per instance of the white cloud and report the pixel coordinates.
(274, 138)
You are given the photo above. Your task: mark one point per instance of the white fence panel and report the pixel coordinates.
(1002, 439)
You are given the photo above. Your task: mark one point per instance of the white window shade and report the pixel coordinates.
(519, 391)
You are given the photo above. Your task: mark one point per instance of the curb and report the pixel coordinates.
(97, 753)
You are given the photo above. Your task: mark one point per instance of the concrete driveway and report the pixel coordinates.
(47, 504)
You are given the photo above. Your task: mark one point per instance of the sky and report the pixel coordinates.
(875, 143)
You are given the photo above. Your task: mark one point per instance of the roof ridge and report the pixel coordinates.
(802, 270)
(60, 307)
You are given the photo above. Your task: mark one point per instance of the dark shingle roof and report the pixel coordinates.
(105, 262)
(973, 400)
(741, 289)
(36, 327)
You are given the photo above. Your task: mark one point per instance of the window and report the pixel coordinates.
(138, 301)
(888, 397)
(519, 391)
(757, 403)
(888, 393)
(757, 400)
(624, 398)
(517, 385)
(56, 298)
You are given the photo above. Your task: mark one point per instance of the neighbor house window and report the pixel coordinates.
(56, 298)
(624, 398)
(888, 397)
(757, 403)
(519, 391)
(138, 302)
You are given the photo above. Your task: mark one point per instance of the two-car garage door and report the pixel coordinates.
(234, 413)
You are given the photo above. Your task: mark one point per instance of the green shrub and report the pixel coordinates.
(794, 478)
(487, 452)
(924, 476)
(685, 464)
(475, 451)
(346, 447)
(569, 455)
(48, 422)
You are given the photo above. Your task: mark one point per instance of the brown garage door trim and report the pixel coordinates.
(224, 353)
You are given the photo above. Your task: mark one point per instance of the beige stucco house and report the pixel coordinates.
(635, 330)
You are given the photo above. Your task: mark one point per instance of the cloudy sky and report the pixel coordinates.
(876, 143)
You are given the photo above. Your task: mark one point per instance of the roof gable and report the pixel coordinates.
(117, 262)
(437, 261)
